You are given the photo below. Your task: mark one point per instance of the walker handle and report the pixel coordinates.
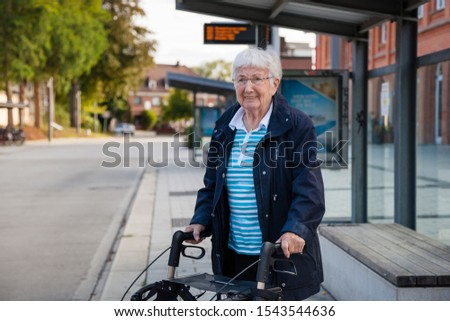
(268, 249)
(265, 256)
(177, 246)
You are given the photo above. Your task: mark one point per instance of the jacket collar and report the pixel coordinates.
(280, 121)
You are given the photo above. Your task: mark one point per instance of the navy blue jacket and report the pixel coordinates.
(288, 187)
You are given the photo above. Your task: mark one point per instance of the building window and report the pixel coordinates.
(383, 36)
(137, 100)
(152, 84)
(420, 12)
(440, 4)
(156, 101)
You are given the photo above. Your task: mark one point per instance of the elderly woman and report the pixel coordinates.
(263, 181)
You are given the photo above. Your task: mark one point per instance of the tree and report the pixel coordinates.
(78, 40)
(179, 106)
(40, 39)
(92, 45)
(24, 40)
(148, 119)
(129, 52)
(218, 69)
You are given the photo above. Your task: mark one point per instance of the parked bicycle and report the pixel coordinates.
(9, 136)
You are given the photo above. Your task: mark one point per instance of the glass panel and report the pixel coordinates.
(380, 150)
(433, 155)
(338, 194)
(420, 12)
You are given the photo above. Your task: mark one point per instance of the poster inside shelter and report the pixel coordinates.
(208, 117)
(318, 97)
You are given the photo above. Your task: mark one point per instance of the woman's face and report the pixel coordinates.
(254, 90)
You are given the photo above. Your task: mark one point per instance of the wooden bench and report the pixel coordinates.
(383, 262)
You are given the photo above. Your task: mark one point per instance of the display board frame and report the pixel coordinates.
(322, 95)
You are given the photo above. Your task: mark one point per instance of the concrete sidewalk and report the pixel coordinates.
(164, 204)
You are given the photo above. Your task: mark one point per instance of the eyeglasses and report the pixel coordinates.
(257, 81)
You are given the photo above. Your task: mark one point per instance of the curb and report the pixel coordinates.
(129, 254)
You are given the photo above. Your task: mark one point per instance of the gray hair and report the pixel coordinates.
(259, 58)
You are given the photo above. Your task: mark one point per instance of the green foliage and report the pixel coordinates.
(88, 122)
(190, 136)
(62, 116)
(78, 38)
(218, 69)
(39, 39)
(24, 37)
(129, 52)
(179, 106)
(119, 108)
(148, 119)
(92, 43)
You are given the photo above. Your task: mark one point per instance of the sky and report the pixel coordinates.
(180, 35)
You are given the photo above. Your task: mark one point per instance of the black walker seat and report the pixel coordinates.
(173, 289)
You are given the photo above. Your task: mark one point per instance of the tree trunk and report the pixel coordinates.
(9, 100)
(73, 103)
(22, 93)
(37, 104)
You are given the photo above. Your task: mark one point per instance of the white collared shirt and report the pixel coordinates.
(237, 122)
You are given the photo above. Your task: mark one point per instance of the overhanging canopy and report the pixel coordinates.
(347, 18)
(198, 84)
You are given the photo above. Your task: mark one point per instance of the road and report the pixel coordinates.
(60, 212)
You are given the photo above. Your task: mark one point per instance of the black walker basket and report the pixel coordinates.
(225, 288)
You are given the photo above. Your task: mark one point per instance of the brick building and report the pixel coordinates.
(433, 80)
(154, 92)
(295, 55)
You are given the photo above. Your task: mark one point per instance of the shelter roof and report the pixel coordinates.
(347, 18)
(199, 84)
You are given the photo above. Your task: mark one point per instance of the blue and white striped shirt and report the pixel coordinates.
(245, 234)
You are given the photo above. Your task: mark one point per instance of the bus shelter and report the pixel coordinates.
(352, 20)
(204, 116)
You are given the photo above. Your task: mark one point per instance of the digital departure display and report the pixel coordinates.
(230, 33)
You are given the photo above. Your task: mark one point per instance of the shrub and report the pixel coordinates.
(148, 119)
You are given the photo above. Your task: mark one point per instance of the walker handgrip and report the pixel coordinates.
(177, 240)
(177, 246)
(267, 250)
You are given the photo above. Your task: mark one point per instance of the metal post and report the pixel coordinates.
(262, 33)
(405, 122)
(51, 108)
(275, 41)
(359, 130)
(194, 134)
(335, 52)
